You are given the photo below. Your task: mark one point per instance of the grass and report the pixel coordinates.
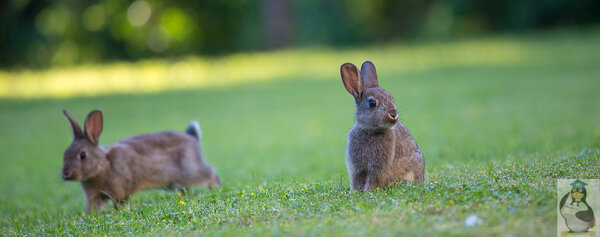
(497, 128)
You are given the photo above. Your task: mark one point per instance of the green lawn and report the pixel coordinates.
(496, 135)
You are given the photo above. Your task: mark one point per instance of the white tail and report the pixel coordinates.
(193, 129)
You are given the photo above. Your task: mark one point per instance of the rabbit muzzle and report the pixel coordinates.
(392, 117)
(68, 175)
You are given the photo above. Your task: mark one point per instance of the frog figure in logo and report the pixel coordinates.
(578, 215)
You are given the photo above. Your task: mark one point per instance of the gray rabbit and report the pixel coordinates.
(380, 150)
(162, 159)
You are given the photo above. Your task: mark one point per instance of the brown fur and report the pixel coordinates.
(162, 159)
(380, 150)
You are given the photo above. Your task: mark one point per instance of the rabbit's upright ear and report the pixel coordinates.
(369, 74)
(93, 126)
(77, 133)
(351, 78)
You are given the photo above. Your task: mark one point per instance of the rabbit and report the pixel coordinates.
(380, 150)
(163, 159)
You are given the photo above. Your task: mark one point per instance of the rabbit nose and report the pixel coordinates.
(66, 175)
(394, 115)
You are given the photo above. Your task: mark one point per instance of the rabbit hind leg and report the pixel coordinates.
(359, 180)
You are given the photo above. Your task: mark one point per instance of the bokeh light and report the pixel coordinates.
(54, 21)
(139, 13)
(94, 17)
(158, 39)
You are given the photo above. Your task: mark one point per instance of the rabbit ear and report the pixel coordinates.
(369, 74)
(93, 126)
(351, 78)
(77, 133)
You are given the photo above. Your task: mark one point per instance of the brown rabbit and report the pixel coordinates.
(380, 150)
(162, 159)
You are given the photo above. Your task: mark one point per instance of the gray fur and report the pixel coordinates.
(162, 159)
(380, 149)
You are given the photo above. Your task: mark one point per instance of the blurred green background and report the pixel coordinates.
(501, 96)
(499, 119)
(46, 33)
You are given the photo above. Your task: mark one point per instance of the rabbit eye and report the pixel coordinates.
(372, 103)
(82, 155)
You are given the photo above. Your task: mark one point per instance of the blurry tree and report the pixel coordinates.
(278, 22)
(40, 33)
